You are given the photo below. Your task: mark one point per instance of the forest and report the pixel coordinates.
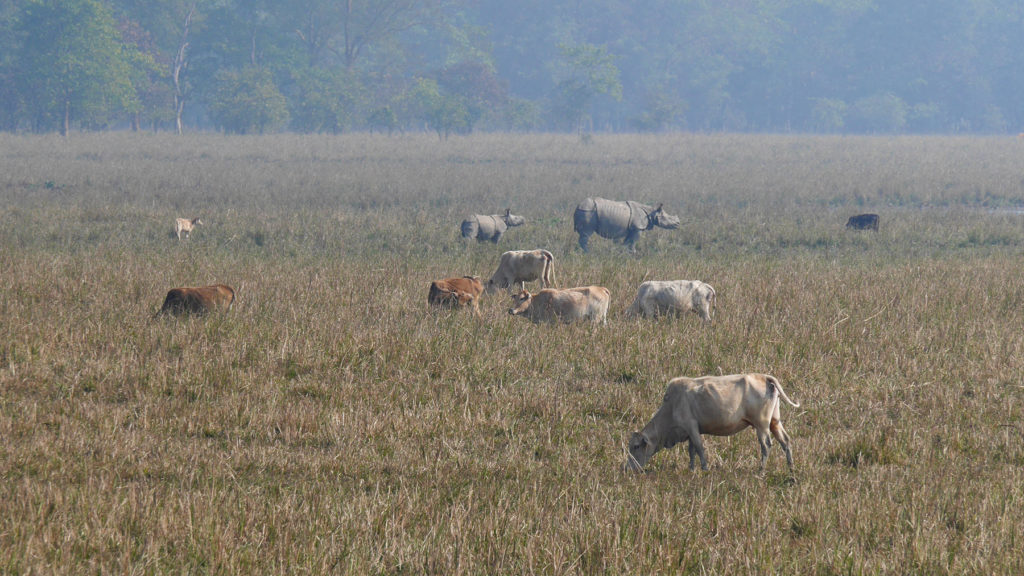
(458, 66)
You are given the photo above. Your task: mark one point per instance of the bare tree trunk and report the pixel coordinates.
(66, 126)
(180, 62)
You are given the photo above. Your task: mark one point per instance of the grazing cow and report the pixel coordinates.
(522, 266)
(715, 405)
(198, 300)
(618, 220)
(863, 222)
(568, 305)
(456, 293)
(185, 225)
(656, 297)
(490, 227)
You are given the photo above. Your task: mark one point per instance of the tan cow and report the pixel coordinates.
(567, 305)
(657, 297)
(715, 405)
(522, 266)
(185, 225)
(200, 300)
(456, 293)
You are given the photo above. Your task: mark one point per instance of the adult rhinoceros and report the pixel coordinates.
(490, 227)
(613, 219)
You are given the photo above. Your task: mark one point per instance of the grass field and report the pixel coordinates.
(330, 423)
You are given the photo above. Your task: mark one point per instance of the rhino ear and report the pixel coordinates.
(508, 212)
(658, 209)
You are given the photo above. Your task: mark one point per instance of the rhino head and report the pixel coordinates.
(511, 219)
(662, 219)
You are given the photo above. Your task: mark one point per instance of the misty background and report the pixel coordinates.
(457, 66)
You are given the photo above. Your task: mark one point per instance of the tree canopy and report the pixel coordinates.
(454, 66)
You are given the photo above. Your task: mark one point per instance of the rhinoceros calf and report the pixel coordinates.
(566, 305)
(657, 297)
(198, 300)
(618, 220)
(715, 405)
(522, 266)
(492, 227)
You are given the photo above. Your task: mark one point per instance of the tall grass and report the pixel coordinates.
(331, 423)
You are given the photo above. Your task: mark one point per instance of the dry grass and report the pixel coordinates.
(330, 423)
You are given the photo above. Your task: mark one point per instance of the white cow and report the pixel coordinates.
(522, 266)
(567, 305)
(185, 225)
(715, 405)
(656, 297)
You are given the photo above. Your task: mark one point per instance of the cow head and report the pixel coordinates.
(520, 303)
(640, 451)
(197, 222)
(511, 219)
(662, 219)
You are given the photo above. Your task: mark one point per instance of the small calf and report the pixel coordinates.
(715, 405)
(199, 300)
(185, 225)
(456, 293)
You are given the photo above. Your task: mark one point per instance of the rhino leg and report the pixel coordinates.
(584, 238)
(631, 238)
(496, 237)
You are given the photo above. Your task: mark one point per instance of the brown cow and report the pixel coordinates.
(199, 300)
(456, 293)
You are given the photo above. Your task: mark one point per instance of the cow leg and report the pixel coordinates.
(780, 434)
(697, 445)
(765, 442)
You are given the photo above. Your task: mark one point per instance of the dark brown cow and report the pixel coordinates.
(456, 293)
(198, 300)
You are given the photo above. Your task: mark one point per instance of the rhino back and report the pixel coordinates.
(613, 218)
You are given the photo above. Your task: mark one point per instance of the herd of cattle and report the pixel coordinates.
(714, 405)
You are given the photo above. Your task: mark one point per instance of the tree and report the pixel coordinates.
(73, 66)
(248, 101)
(586, 72)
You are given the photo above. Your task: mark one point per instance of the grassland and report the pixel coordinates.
(330, 423)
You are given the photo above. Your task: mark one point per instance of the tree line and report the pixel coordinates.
(454, 66)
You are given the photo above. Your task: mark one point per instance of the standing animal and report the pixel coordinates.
(656, 297)
(715, 405)
(185, 225)
(522, 266)
(863, 222)
(456, 293)
(198, 300)
(490, 227)
(568, 305)
(614, 220)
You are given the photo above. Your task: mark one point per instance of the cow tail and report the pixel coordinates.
(773, 381)
(549, 267)
(713, 298)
